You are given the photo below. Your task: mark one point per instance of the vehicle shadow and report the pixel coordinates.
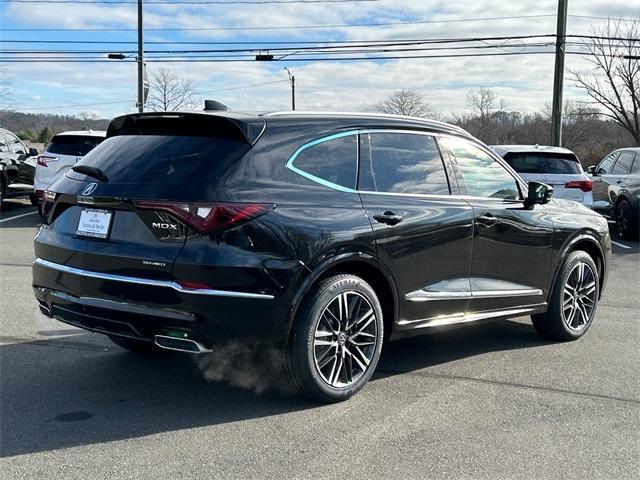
(16, 208)
(75, 391)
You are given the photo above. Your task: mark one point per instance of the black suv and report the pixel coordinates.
(322, 234)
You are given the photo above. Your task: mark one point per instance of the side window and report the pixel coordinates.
(401, 163)
(623, 165)
(333, 161)
(606, 164)
(636, 164)
(482, 176)
(16, 144)
(4, 148)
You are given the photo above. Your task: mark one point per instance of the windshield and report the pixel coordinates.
(541, 162)
(78, 145)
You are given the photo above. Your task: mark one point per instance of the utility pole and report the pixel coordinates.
(140, 61)
(558, 80)
(292, 80)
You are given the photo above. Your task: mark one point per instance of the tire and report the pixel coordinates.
(323, 343)
(137, 346)
(626, 221)
(1, 194)
(571, 310)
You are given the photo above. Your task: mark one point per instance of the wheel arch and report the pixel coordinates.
(362, 265)
(588, 244)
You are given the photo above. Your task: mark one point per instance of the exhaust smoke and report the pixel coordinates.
(245, 365)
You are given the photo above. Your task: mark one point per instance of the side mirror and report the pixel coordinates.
(33, 152)
(591, 170)
(539, 194)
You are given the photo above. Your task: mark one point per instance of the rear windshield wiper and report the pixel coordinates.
(94, 172)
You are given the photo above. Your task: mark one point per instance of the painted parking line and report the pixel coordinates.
(621, 245)
(18, 216)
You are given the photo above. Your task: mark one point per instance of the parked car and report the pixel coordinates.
(558, 167)
(17, 167)
(64, 150)
(616, 190)
(319, 234)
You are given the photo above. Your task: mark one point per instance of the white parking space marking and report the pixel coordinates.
(621, 245)
(17, 216)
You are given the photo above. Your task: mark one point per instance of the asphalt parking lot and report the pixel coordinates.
(484, 401)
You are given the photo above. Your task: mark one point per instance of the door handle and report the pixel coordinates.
(389, 218)
(487, 220)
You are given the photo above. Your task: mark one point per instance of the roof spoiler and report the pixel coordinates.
(219, 125)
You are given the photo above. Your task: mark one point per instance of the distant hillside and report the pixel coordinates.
(30, 125)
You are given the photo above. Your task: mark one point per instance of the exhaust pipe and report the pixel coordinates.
(180, 344)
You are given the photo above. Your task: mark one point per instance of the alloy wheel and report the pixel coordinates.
(579, 297)
(345, 339)
(622, 219)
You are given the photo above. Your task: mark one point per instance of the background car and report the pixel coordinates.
(17, 167)
(558, 167)
(616, 188)
(64, 150)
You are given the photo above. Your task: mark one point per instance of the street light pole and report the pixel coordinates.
(558, 80)
(140, 61)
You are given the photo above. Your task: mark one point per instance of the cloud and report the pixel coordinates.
(524, 81)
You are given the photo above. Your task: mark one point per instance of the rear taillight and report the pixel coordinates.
(49, 196)
(44, 160)
(584, 185)
(208, 217)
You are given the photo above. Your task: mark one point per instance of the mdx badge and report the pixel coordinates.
(164, 226)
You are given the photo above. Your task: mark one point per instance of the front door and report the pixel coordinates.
(422, 233)
(512, 245)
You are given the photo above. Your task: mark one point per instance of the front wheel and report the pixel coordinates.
(337, 339)
(573, 302)
(627, 222)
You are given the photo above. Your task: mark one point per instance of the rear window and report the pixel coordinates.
(78, 145)
(534, 162)
(167, 160)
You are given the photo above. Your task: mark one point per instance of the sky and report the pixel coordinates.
(108, 89)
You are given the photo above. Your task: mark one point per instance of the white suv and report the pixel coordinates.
(65, 149)
(555, 166)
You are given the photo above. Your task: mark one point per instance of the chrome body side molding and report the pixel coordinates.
(469, 317)
(149, 282)
(469, 288)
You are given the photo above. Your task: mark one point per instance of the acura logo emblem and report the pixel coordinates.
(89, 189)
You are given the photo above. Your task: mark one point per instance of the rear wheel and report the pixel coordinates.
(573, 302)
(337, 339)
(136, 346)
(626, 221)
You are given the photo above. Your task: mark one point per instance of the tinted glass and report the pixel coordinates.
(623, 165)
(481, 174)
(636, 164)
(606, 164)
(77, 145)
(333, 160)
(562, 164)
(166, 160)
(401, 163)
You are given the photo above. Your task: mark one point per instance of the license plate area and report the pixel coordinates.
(94, 223)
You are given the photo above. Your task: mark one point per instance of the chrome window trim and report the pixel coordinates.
(149, 282)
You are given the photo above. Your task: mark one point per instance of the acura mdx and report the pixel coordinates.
(321, 234)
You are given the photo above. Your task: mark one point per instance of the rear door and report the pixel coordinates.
(511, 245)
(601, 179)
(423, 234)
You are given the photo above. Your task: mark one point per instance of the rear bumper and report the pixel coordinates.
(141, 308)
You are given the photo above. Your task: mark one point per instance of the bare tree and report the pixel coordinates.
(614, 82)
(486, 105)
(169, 92)
(406, 102)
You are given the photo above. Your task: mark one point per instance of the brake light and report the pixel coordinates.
(49, 196)
(208, 217)
(43, 160)
(584, 185)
